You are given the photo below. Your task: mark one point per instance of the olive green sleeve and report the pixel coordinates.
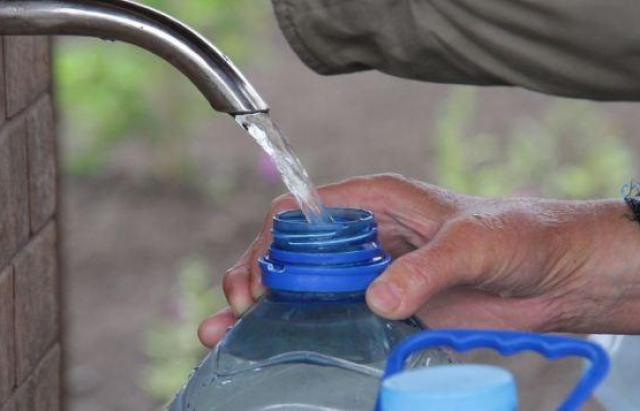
(580, 48)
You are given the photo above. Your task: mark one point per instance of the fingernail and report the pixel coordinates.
(384, 296)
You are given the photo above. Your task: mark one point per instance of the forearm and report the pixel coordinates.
(580, 48)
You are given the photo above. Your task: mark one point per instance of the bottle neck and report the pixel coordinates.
(342, 257)
(305, 297)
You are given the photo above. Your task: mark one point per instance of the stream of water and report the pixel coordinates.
(294, 175)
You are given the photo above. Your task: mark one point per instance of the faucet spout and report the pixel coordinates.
(226, 89)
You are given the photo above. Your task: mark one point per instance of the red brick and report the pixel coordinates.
(27, 70)
(14, 190)
(41, 391)
(42, 162)
(7, 340)
(3, 110)
(36, 300)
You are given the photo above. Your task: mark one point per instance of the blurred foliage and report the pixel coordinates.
(113, 92)
(171, 344)
(571, 151)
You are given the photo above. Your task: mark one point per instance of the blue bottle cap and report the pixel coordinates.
(455, 387)
(462, 387)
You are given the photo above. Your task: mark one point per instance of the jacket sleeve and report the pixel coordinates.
(577, 48)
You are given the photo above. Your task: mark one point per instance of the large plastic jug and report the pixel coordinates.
(473, 387)
(311, 343)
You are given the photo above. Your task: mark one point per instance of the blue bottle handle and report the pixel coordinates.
(508, 343)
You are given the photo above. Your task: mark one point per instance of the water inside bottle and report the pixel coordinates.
(294, 175)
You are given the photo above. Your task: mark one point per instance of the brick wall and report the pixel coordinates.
(29, 284)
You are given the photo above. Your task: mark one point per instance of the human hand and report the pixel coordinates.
(462, 261)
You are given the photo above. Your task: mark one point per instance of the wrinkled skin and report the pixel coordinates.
(462, 261)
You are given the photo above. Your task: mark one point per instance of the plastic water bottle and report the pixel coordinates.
(472, 387)
(311, 343)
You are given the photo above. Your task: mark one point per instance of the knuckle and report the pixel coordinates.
(468, 228)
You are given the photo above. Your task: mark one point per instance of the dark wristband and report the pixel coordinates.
(632, 198)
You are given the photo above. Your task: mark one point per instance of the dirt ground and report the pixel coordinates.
(124, 235)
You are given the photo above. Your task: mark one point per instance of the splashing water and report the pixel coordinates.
(294, 175)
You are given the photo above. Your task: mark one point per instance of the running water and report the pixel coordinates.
(294, 175)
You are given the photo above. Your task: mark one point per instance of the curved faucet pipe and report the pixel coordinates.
(226, 89)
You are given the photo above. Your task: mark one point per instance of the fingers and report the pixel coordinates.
(375, 193)
(412, 279)
(408, 213)
(242, 284)
(262, 242)
(257, 250)
(212, 329)
(236, 286)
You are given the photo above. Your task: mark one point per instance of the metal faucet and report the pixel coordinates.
(226, 89)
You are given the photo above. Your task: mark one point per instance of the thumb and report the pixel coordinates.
(415, 277)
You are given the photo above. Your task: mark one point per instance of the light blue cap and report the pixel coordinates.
(456, 387)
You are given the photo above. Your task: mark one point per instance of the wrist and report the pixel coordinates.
(608, 284)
